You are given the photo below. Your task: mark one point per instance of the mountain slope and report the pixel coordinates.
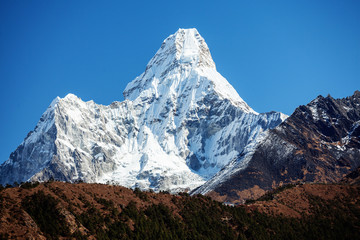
(55, 210)
(181, 122)
(319, 142)
(352, 178)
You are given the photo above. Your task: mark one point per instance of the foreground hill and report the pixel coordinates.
(95, 211)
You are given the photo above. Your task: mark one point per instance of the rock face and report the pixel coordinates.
(352, 178)
(319, 142)
(181, 122)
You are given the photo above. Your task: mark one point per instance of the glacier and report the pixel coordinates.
(181, 122)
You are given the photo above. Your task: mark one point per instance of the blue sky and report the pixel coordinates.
(277, 54)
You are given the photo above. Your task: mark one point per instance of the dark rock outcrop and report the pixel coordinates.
(319, 142)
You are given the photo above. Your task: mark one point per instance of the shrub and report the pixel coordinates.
(29, 185)
(140, 194)
(44, 210)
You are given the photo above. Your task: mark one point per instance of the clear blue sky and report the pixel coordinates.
(277, 54)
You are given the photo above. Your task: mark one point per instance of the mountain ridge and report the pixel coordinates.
(180, 123)
(319, 142)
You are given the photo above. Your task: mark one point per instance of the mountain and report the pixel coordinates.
(319, 142)
(181, 122)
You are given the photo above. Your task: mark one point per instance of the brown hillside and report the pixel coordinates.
(75, 197)
(97, 211)
(302, 200)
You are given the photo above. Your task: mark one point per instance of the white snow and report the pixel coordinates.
(178, 110)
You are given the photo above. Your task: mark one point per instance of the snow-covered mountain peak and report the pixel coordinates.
(183, 66)
(185, 47)
(192, 48)
(71, 96)
(180, 123)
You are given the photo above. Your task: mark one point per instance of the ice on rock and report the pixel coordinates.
(181, 122)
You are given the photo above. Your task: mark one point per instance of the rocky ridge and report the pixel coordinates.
(319, 142)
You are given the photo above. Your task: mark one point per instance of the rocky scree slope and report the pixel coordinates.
(319, 142)
(181, 122)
